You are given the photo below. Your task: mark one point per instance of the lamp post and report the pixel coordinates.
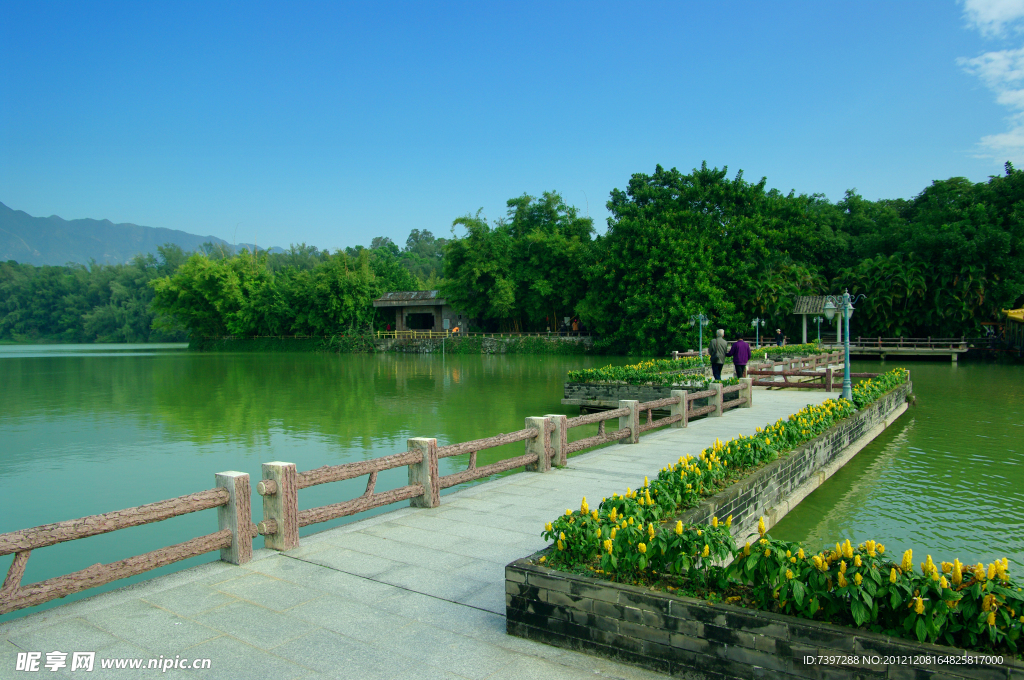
(758, 324)
(818, 321)
(844, 305)
(701, 321)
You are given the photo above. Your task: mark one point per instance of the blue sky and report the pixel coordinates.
(332, 123)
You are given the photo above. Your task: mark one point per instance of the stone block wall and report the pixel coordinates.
(769, 490)
(697, 640)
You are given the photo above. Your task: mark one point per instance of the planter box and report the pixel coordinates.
(677, 635)
(695, 639)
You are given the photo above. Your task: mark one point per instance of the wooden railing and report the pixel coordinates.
(233, 539)
(546, 446)
(911, 343)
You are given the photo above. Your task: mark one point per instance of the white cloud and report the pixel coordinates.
(993, 17)
(1002, 71)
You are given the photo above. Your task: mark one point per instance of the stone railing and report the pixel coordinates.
(233, 539)
(545, 441)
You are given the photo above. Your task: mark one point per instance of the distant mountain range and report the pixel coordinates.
(56, 241)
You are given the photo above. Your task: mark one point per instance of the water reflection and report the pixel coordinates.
(87, 430)
(947, 479)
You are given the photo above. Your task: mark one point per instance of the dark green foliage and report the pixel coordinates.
(242, 296)
(74, 303)
(678, 244)
(523, 273)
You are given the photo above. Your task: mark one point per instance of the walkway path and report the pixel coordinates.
(414, 593)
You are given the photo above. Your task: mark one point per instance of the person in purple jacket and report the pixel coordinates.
(740, 353)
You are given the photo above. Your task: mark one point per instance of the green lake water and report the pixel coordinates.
(89, 429)
(946, 479)
(86, 429)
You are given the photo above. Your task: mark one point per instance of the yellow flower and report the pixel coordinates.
(986, 602)
(593, 513)
(650, 530)
(707, 550)
(957, 573)
(584, 508)
(728, 521)
(847, 549)
(908, 561)
(943, 583)
(841, 580)
(857, 578)
(947, 567)
(542, 560)
(608, 544)
(568, 512)
(991, 620)
(789, 574)
(561, 536)
(880, 548)
(714, 522)
(892, 576)
(646, 483)
(760, 525)
(919, 605)
(560, 545)
(793, 560)
(679, 528)
(856, 561)
(547, 526)
(746, 549)
(979, 572)
(768, 552)
(800, 553)
(842, 567)
(870, 546)
(614, 516)
(991, 571)
(630, 520)
(641, 547)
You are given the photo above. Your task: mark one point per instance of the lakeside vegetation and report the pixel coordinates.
(939, 264)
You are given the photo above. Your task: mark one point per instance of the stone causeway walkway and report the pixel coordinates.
(413, 593)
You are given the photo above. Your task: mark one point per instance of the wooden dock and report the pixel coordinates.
(882, 347)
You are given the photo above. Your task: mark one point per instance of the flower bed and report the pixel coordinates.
(624, 539)
(662, 371)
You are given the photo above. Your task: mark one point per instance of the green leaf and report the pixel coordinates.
(859, 611)
(921, 630)
(799, 590)
(895, 600)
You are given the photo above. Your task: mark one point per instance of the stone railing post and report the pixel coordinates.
(632, 421)
(425, 473)
(280, 491)
(680, 409)
(747, 391)
(235, 516)
(559, 439)
(716, 399)
(537, 445)
(828, 379)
